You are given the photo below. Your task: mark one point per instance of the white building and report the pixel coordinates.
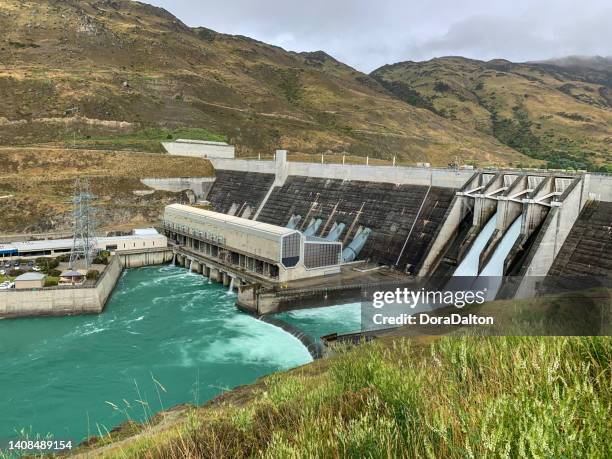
(141, 239)
(277, 253)
(200, 149)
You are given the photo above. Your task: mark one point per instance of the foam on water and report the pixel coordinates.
(256, 342)
(317, 322)
(160, 321)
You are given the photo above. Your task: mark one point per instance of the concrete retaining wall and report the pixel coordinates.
(61, 301)
(199, 185)
(200, 149)
(244, 165)
(139, 259)
(382, 174)
(386, 174)
(600, 188)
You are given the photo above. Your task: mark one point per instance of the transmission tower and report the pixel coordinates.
(84, 244)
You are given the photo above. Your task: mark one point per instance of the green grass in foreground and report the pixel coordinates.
(455, 398)
(148, 139)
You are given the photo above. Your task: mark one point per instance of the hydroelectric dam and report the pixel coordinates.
(308, 234)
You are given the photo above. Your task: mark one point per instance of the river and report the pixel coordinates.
(166, 337)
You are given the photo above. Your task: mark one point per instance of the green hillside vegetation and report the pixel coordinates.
(549, 111)
(91, 69)
(451, 397)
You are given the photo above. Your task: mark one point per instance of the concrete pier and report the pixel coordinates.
(215, 275)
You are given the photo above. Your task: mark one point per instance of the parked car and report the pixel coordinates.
(2, 272)
(6, 285)
(16, 264)
(36, 268)
(30, 263)
(7, 264)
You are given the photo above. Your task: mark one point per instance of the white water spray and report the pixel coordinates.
(230, 290)
(494, 270)
(495, 267)
(469, 266)
(190, 266)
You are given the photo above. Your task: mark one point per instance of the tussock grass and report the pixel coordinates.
(455, 398)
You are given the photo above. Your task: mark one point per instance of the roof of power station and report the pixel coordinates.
(203, 216)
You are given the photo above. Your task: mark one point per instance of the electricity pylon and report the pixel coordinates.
(84, 244)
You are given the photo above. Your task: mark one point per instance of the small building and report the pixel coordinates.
(30, 280)
(71, 278)
(200, 148)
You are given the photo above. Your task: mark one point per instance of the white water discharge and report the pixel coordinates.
(495, 267)
(230, 290)
(190, 266)
(494, 270)
(469, 266)
(174, 260)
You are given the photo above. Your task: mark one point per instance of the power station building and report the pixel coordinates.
(274, 252)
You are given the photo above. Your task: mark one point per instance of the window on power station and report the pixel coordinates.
(291, 250)
(319, 255)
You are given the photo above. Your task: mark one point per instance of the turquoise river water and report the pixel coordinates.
(166, 337)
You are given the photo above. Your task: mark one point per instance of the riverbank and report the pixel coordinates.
(444, 397)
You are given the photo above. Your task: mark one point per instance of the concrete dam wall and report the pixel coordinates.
(424, 221)
(403, 218)
(239, 193)
(588, 247)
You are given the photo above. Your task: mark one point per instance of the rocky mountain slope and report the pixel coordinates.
(558, 110)
(73, 68)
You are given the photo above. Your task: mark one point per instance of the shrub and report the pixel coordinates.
(53, 273)
(51, 281)
(94, 274)
(47, 264)
(102, 258)
(15, 272)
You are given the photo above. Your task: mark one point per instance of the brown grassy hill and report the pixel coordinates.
(36, 185)
(560, 111)
(71, 69)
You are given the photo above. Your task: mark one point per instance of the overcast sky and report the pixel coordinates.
(369, 33)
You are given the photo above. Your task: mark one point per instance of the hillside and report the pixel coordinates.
(451, 397)
(73, 70)
(559, 110)
(37, 185)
